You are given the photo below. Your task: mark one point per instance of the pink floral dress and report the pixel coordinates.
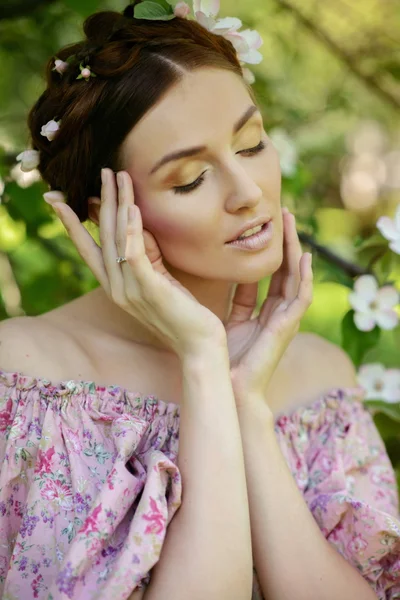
(89, 485)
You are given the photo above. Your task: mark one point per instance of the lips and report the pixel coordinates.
(249, 225)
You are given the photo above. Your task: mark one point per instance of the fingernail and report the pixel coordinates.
(53, 196)
(104, 175)
(285, 210)
(120, 180)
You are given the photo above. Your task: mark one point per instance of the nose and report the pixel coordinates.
(242, 188)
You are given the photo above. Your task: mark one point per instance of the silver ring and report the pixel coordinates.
(121, 259)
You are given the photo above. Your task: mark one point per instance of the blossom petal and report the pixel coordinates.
(253, 38)
(205, 21)
(364, 321)
(248, 76)
(358, 302)
(387, 319)
(388, 229)
(237, 41)
(395, 246)
(208, 7)
(252, 57)
(392, 385)
(30, 159)
(369, 373)
(227, 24)
(387, 297)
(366, 286)
(397, 218)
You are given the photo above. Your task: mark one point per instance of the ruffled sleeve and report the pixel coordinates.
(88, 487)
(351, 487)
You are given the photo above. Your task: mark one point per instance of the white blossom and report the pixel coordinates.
(182, 10)
(390, 229)
(379, 383)
(373, 306)
(60, 66)
(50, 129)
(29, 160)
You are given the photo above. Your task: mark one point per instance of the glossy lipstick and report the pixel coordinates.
(257, 241)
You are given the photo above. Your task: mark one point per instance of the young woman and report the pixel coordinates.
(156, 439)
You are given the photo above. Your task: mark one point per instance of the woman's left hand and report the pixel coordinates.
(256, 345)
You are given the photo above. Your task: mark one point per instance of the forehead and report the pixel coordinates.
(204, 105)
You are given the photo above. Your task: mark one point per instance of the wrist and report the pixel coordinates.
(204, 356)
(254, 413)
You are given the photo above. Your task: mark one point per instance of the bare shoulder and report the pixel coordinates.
(17, 341)
(326, 360)
(29, 345)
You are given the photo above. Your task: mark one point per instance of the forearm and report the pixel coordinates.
(207, 551)
(292, 557)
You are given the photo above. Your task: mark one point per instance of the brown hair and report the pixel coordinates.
(135, 61)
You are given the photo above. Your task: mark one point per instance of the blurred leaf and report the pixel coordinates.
(28, 204)
(392, 67)
(390, 410)
(336, 274)
(383, 267)
(375, 240)
(85, 7)
(356, 342)
(387, 425)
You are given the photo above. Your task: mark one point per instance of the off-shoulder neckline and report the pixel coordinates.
(71, 386)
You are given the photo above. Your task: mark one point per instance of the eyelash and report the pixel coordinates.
(185, 189)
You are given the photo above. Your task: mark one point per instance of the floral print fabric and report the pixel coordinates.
(89, 485)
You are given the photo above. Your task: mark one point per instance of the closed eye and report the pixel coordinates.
(185, 189)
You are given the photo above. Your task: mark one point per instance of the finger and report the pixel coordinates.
(108, 226)
(244, 303)
(140, 267)
(125, 199)
(276, 285)
(294, 253)
(88, 250)
(304, 297)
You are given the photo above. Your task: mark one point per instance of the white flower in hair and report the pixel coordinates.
(182, 10)
(50, 129)
(60, 66)
(246, 43)
(248, 76)
(29, 160)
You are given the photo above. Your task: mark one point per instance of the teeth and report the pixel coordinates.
(250, 232)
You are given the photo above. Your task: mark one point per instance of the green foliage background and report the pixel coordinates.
(328, 69)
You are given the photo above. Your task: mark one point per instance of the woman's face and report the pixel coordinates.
(228, 185)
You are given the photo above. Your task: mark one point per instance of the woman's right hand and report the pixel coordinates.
(141, 286)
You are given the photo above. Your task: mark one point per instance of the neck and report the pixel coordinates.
(99, 311)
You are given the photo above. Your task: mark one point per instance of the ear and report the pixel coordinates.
(94, 209)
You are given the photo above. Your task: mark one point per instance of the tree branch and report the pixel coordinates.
(370, 81)
(21, 9)
(350, 268)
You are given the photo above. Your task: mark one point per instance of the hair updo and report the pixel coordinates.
(135, 61)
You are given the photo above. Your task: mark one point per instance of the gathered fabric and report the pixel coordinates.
(89, 484)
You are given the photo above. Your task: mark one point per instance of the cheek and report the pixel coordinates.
(173, 227)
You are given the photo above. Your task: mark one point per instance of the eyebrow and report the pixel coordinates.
(197, 149)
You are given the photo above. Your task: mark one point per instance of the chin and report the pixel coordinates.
(258, 267)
